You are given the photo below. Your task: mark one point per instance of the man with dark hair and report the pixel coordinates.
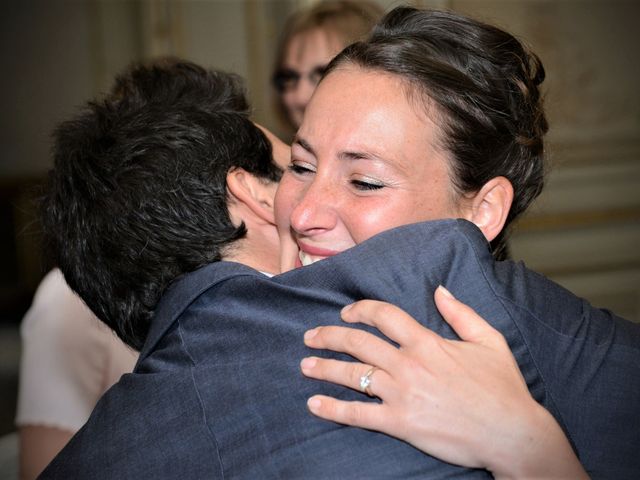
(151, 180)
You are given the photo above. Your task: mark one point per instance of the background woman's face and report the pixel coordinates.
(305, 60)
(364, 160)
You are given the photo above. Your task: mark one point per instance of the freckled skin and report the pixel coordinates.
(365, 160)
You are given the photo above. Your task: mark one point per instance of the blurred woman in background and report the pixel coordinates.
(311, 38)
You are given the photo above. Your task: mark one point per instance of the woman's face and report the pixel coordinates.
(364, 160)
(305, 60)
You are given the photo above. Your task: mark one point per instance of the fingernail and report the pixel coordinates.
(314, 404)
(308, 363)
(445, 292)
(309, 334)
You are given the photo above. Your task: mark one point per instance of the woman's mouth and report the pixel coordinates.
(306, 259)
(309, 255)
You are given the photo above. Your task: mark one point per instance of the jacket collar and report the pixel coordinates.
(182, 292)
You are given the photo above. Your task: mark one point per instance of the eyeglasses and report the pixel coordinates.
(286, 79)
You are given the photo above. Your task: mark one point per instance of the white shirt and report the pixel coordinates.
(69, 358)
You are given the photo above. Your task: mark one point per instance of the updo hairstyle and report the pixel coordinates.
(484, 86)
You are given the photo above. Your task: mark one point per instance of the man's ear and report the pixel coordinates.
(254, 193)
(490, 206)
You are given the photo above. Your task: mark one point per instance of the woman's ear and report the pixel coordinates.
(250, 194)
(490, 206)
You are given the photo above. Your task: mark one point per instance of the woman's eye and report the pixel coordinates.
(300, 169)
(366, 185)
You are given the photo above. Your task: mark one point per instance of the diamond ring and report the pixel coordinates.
(365, 381)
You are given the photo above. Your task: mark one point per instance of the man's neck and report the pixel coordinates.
(256, 252)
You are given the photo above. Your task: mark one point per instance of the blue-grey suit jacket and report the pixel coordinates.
(217, 392)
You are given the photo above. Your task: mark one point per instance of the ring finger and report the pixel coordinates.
(350, 374)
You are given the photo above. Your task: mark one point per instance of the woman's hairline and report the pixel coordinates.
(427, 109)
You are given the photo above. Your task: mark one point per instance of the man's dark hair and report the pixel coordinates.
(485, 87)
(137, 196)
(172, 81)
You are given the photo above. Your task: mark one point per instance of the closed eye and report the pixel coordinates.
(365, 186)
(300, 169)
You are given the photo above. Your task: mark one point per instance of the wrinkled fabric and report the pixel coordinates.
(217, 392)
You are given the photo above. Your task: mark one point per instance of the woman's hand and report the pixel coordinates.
(464, 402)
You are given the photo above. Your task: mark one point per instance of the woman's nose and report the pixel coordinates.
(312, 214)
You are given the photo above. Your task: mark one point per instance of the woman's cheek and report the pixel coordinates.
(371, 218)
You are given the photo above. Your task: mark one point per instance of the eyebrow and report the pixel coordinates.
(348, 155)
(304, 144)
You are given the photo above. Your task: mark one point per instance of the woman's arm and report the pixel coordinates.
(38, 446)
(464, 402)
